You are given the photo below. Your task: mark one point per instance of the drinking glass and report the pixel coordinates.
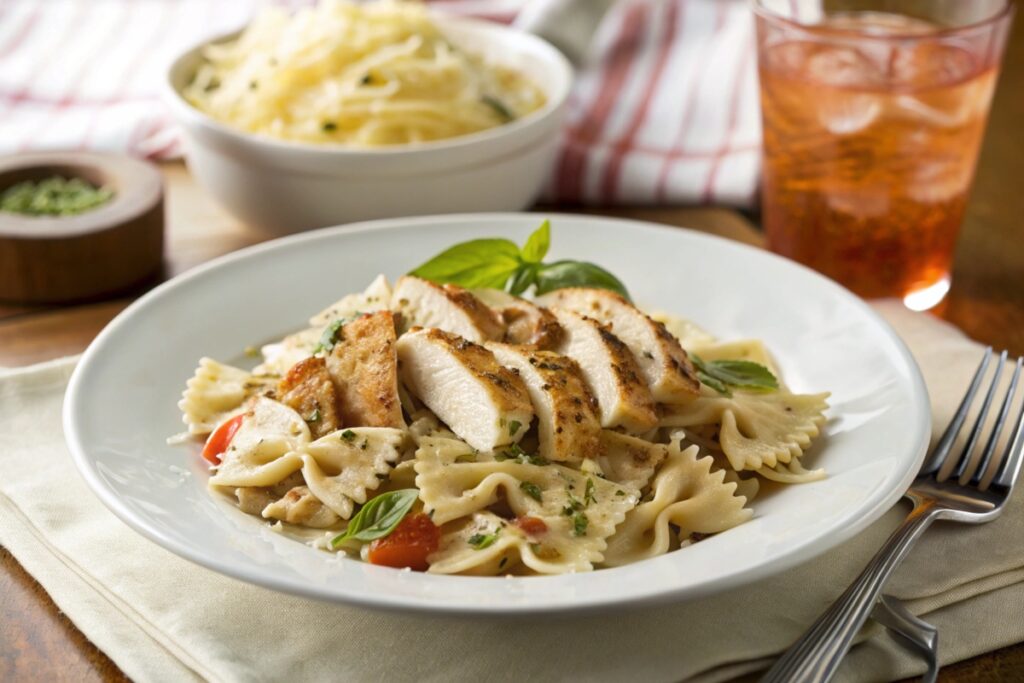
(873, 116)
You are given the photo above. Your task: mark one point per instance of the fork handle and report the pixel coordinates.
(815, 657)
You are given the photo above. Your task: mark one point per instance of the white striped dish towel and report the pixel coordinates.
(664, 111)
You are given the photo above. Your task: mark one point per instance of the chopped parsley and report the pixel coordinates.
(588, 494)
(330, 336)
(532, 490)
(348, 435)
(580, 523)
(54, 196)
(620, 492)
(480, 541)
(514, 452)
(513, 427)
(314, 416)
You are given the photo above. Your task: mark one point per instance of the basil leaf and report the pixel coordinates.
(537, 244)
(741, 374)
(378, 517)
(483, 263)
(522, 279)
(561, 274)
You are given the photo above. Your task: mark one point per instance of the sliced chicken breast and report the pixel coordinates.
(364, 368)
(666, 368)
(610, 372)
(448, 307)
(525, 322)
(308, 390)
(466, 387)
(568, 424)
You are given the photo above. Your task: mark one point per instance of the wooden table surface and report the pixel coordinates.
(37, 642)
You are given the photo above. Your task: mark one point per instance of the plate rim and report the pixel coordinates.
(801, 553)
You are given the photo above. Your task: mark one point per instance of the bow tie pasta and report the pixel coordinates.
(361, 427)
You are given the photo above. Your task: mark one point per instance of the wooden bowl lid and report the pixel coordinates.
(99, 252)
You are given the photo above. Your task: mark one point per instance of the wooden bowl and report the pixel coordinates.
(103, 251)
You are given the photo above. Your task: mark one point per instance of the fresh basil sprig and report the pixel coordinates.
(379, 517)
(720, 375)
(497, 263)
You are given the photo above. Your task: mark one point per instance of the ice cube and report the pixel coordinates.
(847, 113)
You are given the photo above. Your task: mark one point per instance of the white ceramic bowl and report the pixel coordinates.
(121, 405)
(284, 186)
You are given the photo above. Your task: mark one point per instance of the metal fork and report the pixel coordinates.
(816, 655)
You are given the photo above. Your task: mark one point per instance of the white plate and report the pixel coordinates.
(121, 405)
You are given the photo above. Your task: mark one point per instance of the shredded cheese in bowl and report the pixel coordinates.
(364, 75)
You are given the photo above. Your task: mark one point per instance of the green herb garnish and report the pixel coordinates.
(580, 524)
(497, 263)
(532, 490)
(328, 126)
(329, 337)
(720, 375)
(378, 517)
(514, 452)
(513, 427)
(348, 435)
(54, 196)
(314, 416)
(588, 493)
(481, 541)
(499, 107)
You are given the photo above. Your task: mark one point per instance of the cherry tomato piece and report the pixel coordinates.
(409, 545)
(221, 439)
(533, 526)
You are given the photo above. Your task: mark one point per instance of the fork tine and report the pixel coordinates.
(941, 451)
(1009, 468)
(979, 422)
(997, 429)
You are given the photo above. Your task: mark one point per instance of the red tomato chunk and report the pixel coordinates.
(409, 545)
(533, 526)
(221, 439)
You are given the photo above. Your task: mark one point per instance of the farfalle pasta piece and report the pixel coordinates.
(376, 297)
(554, 551)
(215, 392)
(301, 507)
(792, 472)
(580, 510)
(629, 460)
(280, 356)
(265, 448)
(341, 467)
(755, 429)
(685, 494)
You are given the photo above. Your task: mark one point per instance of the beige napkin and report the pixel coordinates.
(161, 618)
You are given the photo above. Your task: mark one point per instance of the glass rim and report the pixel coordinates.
(1003, 13)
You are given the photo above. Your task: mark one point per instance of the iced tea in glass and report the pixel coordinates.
(873, 117)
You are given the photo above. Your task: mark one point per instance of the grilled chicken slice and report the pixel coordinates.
(466, 387)
(364, 368)
(568, 425)
(308, 390)
(666, 368)
(448, 307)
(610, 372)
(525, 322)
